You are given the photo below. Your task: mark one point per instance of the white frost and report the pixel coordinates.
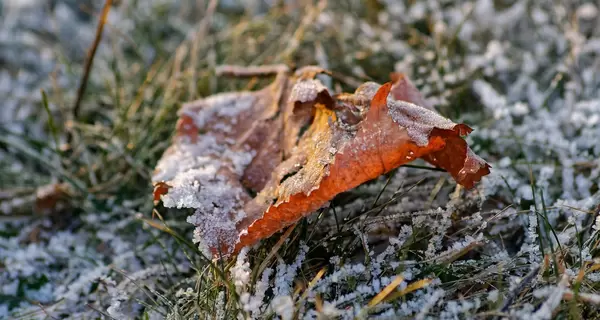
(417, 120)
(228, 105)
(306, 90)
(283, 306)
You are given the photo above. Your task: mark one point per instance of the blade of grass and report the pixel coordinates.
(410, 288)
(90, 58)
(386, 291)
(51, 124)
(275, 248)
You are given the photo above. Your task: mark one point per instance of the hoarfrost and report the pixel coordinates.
(224, 105)
(417, 120)
(241, 272)
(306, 90)
(283, 306)
(546, 311)
(537, 111)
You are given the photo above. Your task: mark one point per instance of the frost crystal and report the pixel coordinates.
(417, 120)
(241, 272)
(283, 306)
(198, 174)
(306, 90)
(224, 105)
(547, 309)
(596, 225)
(587, 11)
(115, 308)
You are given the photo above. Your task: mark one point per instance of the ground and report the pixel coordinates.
(80, 237)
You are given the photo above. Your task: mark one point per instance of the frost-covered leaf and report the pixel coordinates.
(297, 147)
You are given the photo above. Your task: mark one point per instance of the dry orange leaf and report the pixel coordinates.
(252, 163)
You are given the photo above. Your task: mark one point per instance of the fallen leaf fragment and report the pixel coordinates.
(252, 163)
(43, 200)
(49, 197)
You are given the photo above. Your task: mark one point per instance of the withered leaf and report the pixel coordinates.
(252, 163)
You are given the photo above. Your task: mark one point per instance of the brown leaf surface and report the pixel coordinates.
(296, 147)
(403, 89)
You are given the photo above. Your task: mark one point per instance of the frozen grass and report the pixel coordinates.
(410, 244)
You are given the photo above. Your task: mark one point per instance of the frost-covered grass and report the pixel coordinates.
(411, 244)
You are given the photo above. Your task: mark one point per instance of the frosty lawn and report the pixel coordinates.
(521, 245)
